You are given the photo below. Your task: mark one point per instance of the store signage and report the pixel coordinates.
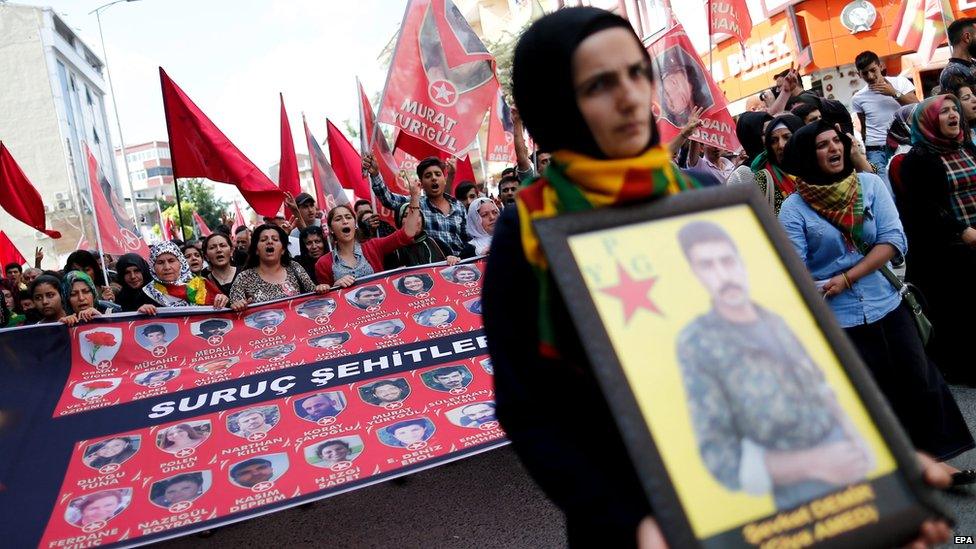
(858, 16)
(759, 56)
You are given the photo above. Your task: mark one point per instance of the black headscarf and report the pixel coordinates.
(792, 123)
(84, 259)
(542, 78)
(749, 130)
(130, 298)
(834, 112)
(800, 156)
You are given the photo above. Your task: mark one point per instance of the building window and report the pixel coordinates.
(157, 171)
(64, 32)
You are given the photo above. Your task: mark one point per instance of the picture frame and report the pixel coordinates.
(649, 384)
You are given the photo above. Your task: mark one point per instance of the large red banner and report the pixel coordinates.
(730, 17)
(182, 422)
(118, 233)
(685, 85)
(501, 132)
(442, 79)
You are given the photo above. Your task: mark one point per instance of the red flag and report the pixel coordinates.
(372, 140)
(115, 228)
(238, 219)
(19, 197)
(8, 252)
(169, 230)
(463, 170)
(288, 165)
(501, 132)
(328, 190)
(921, 26)
(684, 85)
(729, 17)
(201, 225)
(442, 78)
(416, 148)
(199, 149)
(346, 163)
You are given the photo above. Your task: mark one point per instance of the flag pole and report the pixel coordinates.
(159, 213)
(98, 233)
(708, 11)
(363, 141)
(484, 166)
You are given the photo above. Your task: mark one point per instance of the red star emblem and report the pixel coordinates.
(633, 294)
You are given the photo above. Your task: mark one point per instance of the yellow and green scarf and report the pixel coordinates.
(574, 182)
(840, 203)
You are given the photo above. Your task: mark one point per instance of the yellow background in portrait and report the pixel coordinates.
(646, 346)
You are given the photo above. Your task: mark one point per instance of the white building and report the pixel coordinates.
(151, 170)
(52, 103)
(304, 173)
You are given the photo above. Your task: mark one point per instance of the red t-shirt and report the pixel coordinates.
(373, 250)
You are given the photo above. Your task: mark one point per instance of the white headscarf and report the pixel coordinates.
(480, 238)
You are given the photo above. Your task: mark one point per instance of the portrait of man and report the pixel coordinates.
(473, 305)
(764, 417)
(405, 433)
(488, 368)
(461, 274)
(156, 376)
(159, 334)
(212, 327)
(253, 421)
(328, 341)
(278, 351)
(473, 415)
(180, 488)
(320, 405)
(383, 328)
(447, 378)
(386, 391)
(334, 451)
(366, 297)
(315, 308)
(683, 87)
(266, 468)
(268, 318)
(216, 366)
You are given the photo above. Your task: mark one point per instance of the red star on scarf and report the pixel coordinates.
(633, 294)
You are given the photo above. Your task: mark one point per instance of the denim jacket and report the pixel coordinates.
(822, 248)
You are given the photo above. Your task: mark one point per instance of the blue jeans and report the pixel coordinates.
(879, 159)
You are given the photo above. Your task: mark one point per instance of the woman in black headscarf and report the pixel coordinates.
(749, 130)
(583, 87)
(133, 273)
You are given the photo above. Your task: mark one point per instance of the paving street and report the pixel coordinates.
(484, 501)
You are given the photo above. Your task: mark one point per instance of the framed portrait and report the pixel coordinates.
(732, 384)
(179, 491)
(334, 453)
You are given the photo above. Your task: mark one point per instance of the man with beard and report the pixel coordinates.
(444, 216)
(962, 38)
(764, 417)
(319, 406)
(252, 471)
(242, 240)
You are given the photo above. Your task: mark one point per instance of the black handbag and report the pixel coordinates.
(911, 296)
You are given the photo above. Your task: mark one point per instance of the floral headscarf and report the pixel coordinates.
(480, 239)
(186, 290)
(66, 284)
(926, 131)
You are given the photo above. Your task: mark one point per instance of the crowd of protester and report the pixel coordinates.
(899, 191)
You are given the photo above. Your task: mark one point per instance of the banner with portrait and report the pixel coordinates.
(730, 379)
(134, 429)
(684, 85)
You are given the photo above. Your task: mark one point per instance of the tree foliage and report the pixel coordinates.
(196, 195)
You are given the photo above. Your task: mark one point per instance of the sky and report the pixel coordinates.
(233, 57)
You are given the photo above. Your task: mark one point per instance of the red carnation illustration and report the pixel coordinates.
(97, 385)
(99, 340)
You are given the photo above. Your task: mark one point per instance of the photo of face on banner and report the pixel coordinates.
(100, 345)
(367, 298)
(267, 319)
(96, 388)
(435, 317)
(683, 86)
(273, 353)
(181, 488)
(111, 452)
(332, 452)
(466, 275)
(182, 438)
(486, 365)
(384, 328)
(320, 406)
(473, 305)
(156, 335)
(156, 378)
(217, 366)
(211, 328)
(253, 423)
(473, 415)
(447, 378)
(412, 433)
(257, 470)
(414, 285)
(385, 392)
(329, 341)
(317, 308)
(92, 511)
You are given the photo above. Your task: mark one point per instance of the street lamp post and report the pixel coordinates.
(115, 106)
